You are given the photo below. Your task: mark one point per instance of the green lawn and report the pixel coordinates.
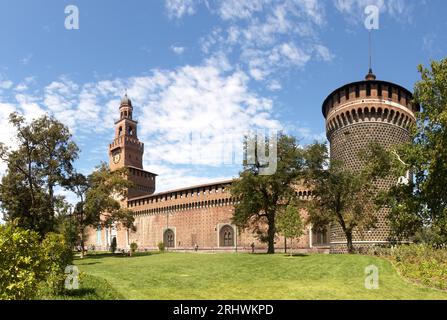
(248, 276)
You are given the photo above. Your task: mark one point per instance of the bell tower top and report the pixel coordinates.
(126, 108)
(127, 151)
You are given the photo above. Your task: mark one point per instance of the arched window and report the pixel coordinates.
(120, 131)
(169, 238)
(226, 236)
(319, 236)
(130, 131)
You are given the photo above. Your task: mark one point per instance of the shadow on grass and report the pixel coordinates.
(79, 293)
(101, 255)
(90, 288)
(296, 255)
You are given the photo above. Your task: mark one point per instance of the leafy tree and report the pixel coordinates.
(133, 248)
(340, 196)
(418, 208)
(261, 196)
(55, 153)
(56, 255)
(28, 264)
(41, 160)
(21, 267)
(289, 222)
(66, 223)
(99, 197)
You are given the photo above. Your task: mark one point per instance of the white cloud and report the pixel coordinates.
(21, 87)
(200, 111)
(274, 85)
(178, 49)
(240, 9)
(323, 52)
(399, 10)
(179, 8)
(6, 84)
(191, 116)
(268, 37)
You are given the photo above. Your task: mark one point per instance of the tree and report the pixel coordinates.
(289, 222)
(41, 160)
(261, 196)
(66, 224)
(340, 196)
(55, 153)
(99, 197)
(418, 210)
(21, 267)
(27, 262)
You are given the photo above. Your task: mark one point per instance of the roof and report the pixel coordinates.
(183, 189)
(139, 169)
(386, 83)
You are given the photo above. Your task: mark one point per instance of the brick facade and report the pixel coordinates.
(200, 216)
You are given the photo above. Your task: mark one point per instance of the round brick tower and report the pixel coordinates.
(357, 114)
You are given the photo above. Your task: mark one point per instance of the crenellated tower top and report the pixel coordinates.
(126, 150)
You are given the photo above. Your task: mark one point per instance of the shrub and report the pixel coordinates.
(56, 255)
(161, 246)
(113, 245)
(21, 267)
(422, 263)
(133, 247)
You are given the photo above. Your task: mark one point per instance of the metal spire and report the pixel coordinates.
(370, 75)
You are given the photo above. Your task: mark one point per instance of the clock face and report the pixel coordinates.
(116, 157)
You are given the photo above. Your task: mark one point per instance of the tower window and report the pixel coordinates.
(347, 93)
(379, 90)
(338, 97)
(368, 90)
(120, 131)
(390, 92)
(357, 91)
(399, 96)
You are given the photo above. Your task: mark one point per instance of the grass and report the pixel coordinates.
(189, 276)
(91, 288)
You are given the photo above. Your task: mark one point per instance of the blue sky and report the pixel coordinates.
(201, 69)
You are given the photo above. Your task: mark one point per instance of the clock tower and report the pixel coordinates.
(127, 151)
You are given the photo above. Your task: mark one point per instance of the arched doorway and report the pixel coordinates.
(226, 236)
(169, 238)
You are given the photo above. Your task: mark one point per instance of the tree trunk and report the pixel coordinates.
(82, 245)
(349, 242)
(271, 235)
